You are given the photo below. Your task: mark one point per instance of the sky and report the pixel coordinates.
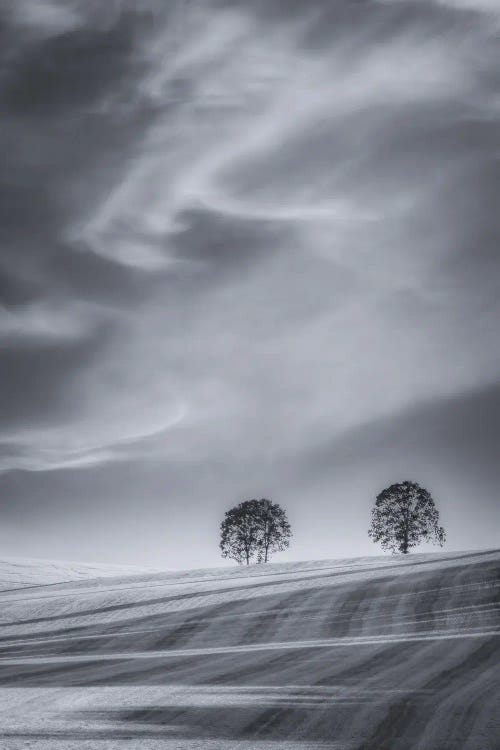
(247, 249)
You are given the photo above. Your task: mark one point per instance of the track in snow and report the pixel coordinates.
(371, 654)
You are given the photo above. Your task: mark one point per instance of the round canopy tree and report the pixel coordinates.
(405, 514)
(274, 529)
(253, 530)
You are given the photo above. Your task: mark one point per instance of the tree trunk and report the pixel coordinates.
(404, 545)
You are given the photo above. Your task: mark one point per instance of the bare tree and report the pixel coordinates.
(404, 514)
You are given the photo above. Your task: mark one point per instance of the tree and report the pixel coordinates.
(253, 530)
(275, 531)
(239, 532)
(404, 514)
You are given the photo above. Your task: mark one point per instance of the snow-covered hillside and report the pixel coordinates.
(379, 653)
(23, 571)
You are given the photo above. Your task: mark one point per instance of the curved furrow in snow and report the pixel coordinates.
(389, 653)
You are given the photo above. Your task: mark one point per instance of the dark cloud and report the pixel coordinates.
(39, 382)
(245, 248)
(456, 436)
(14, 290)
(64, 143)
(71, 71)
(88, 276)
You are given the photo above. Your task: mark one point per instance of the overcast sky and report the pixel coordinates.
(247, 248)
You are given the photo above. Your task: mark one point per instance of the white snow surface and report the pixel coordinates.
(25, 571)
(374, 653)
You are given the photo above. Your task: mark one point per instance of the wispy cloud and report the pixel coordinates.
(231, 231)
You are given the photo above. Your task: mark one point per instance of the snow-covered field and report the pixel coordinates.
(377, 653)
(22, 571)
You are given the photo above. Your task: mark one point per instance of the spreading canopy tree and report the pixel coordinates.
(274, 529)
(405, 514)
(253, 530)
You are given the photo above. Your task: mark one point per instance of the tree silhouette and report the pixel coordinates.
(239, 537)
(253, 530)
(404, 514)
(274, 529)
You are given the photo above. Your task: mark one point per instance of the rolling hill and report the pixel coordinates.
(377, 653)
(23, 571)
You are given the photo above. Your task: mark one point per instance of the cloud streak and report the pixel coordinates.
(232, 231)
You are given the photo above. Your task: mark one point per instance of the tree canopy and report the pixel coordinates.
(405, 514)
(253, 530)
